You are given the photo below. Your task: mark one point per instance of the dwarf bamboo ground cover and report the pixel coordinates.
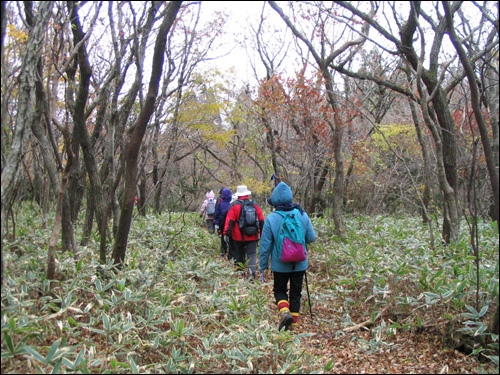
(177, 306)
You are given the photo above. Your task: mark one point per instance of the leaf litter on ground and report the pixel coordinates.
(178, 306)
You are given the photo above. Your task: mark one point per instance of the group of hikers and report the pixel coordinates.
(283, 236)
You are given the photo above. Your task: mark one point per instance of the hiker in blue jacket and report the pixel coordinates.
(220, 218)
(284, 272)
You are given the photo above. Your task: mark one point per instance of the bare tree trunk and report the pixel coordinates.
(25, 108)
(483, 130)
(338, 182)
(51, 261)
(133, 147)
(476, 107)
(141, 204)
(428, 188)
(80, 129)
(450, 202)
(319, 182)
(447, 138)
(157, 182)
(4, 25)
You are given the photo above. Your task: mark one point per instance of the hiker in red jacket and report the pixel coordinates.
(244, 224)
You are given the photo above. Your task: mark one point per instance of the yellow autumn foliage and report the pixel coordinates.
(399, 136)
(16, 34)
(255, 186)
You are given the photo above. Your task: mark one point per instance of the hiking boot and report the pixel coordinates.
(251, 278)
(286, 320)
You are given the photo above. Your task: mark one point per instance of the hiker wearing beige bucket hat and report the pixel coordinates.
(244, 223)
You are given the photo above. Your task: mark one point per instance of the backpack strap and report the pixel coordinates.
(284, 214)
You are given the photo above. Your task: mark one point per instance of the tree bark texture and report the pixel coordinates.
(483, 130)
(476, 107)
(133, 147)
(80, 129)
(25, 107)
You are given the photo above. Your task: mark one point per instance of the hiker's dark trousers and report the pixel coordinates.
(210, 225)
(281, 288)
(223, 246)
(246, 250)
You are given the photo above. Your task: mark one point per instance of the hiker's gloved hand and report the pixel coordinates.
(226, 238)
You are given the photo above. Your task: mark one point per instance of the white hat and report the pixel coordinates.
(242, 191)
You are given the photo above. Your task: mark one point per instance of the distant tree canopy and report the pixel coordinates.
(103, 102)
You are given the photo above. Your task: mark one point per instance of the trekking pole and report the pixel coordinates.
(308, 296)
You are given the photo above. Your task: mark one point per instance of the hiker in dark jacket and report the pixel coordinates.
(284, 272)
(220, 217)
(245, 245)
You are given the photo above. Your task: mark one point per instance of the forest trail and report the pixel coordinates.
(356, 350)
(357, 347)
(409, 352)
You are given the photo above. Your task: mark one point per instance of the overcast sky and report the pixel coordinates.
(240, 14)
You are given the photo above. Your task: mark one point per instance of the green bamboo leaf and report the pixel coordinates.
(133, 366)
(80, 356)
(438, 273)
(20, 346)
(73, 321)
(100, 331)
(67, 300)
(180, 327)
(156, 342)
(105, 321)
(8, 341)
(461, 286)
(472, 310)
(448, 293)
(78, 266)
(56, 368)
(53, 350)
(108, 285)
(480, 330)
(483, 311)
(34, 353)
(124, 365)
(127, 327)
(328, 366)
(494, 358)
(470, 316)
(98, 285)
(70, 365)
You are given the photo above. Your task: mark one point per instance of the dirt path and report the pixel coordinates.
(356, 352)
